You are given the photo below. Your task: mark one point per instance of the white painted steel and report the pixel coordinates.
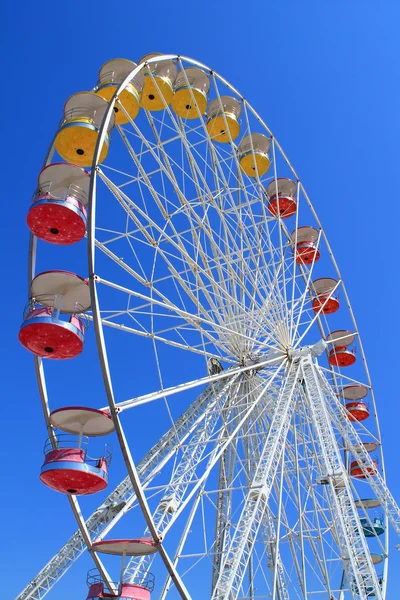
(194, 264)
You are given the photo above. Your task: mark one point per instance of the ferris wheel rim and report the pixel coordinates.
(91, 221)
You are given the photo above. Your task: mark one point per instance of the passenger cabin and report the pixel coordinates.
(77, 135)
(305, 240)
(357, 409)
(111, 75)
(369, 446)
(159, 80)
(340, 355)
(253, 154)
(367, 589)
(373, 527)
(53, 325)
(67, 467)
(137, 588)
(58, 211)
(324, 299)
(367, 503)
(281, 195)
(357, 470)
(190, 93)
(223, 119)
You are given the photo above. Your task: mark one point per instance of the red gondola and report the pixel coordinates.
(305, 238)
(357, 471)
(45, 331)
(357, 411)
(282, 197)
(324, 301)
(58, 211)
(67, 468)
(340, 355)
(356, 408)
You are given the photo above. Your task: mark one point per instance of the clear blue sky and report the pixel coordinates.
(325, 77)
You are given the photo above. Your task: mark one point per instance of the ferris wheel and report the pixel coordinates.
(219, 312)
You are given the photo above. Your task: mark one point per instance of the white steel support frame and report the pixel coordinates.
(185, 471)
(356, 554)
(235, 561)
(189, 461)
(292, 455)
(280, 589)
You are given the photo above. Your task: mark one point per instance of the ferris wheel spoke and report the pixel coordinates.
(294, 265)
(232, 374)
(215, 287)
(207, 230)
(168, 342)
(194, 320)
(303, 299)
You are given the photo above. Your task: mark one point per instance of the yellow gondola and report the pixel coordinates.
(253, 154)
(111, 75)
(223, 124)
(159, 79)
(190, 98)
(77, 136)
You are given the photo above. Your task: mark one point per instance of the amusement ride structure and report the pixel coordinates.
(204, 253)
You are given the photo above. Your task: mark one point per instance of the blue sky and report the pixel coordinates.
(323, 75)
